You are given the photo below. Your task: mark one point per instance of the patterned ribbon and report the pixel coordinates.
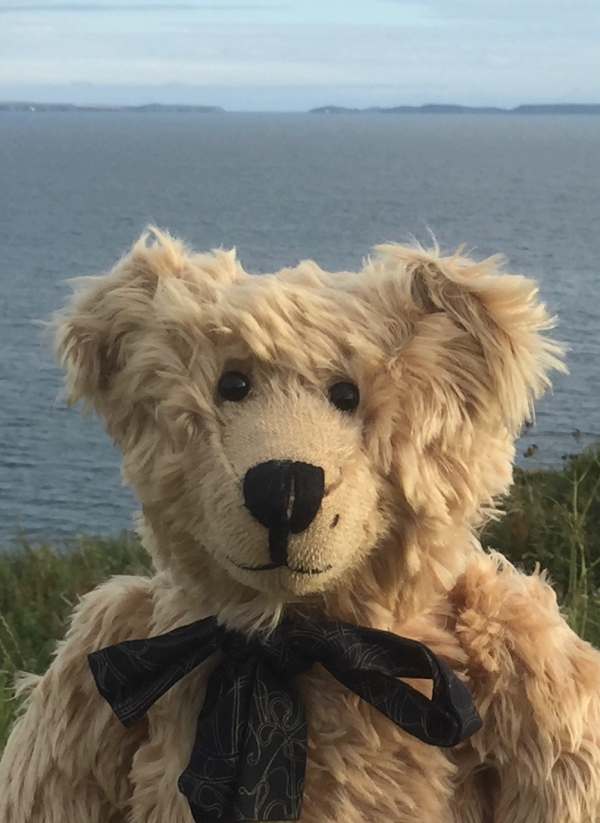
(249, 755)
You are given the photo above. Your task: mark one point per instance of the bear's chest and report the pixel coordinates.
(360, 766)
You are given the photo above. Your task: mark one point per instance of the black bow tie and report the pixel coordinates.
(249, 755)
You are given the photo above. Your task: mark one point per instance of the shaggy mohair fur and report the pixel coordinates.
(448, 354)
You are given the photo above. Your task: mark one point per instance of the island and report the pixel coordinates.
(452, 108)
(147, 107)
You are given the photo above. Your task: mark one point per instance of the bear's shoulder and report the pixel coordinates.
(508, 622)
(119, 609)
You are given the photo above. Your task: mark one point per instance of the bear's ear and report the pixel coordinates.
(109, 313)
(473, 326)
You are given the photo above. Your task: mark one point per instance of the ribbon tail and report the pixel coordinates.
(271, 778)
(132, 675)
(209, 781)
(248, 759)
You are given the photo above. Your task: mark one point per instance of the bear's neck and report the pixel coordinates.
(404, 578)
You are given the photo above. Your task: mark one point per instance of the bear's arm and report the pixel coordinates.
(68, 758)
(537, 686)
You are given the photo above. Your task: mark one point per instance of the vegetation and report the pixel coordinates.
(552, 520)
(39, 586)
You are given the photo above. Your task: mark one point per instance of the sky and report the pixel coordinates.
(278, 55)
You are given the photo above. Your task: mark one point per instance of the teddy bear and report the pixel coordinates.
(314, 454)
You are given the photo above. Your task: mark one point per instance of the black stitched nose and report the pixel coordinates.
(285, 497)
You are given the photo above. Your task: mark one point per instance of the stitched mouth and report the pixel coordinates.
(269, 566)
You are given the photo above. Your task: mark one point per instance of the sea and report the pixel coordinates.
(77, 187)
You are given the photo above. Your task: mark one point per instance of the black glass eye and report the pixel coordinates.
(345, 396)
(234, 386)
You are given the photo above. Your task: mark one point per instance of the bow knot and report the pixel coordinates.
(286, 654)
(237, 647)
(249, 756)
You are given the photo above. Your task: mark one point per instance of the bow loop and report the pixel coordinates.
(133, 674)
(370, 662)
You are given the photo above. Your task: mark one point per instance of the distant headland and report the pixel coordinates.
(148, 107)
(451, 108)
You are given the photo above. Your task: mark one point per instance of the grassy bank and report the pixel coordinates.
(552, 518)
(39, 585)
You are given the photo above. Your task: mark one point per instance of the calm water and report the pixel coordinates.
(77, 188)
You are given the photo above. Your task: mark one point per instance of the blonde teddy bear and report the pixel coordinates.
(323, 637)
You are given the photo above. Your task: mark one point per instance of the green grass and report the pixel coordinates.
(552, 519)
(39, 586)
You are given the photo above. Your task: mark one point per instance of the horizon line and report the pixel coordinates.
(326, 108)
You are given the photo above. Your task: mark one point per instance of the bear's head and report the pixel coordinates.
(309, 435)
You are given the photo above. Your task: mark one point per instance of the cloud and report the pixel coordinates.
(127, 7)
(383, 52)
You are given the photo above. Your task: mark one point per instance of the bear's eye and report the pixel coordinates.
(234, 386)
(345, 396)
